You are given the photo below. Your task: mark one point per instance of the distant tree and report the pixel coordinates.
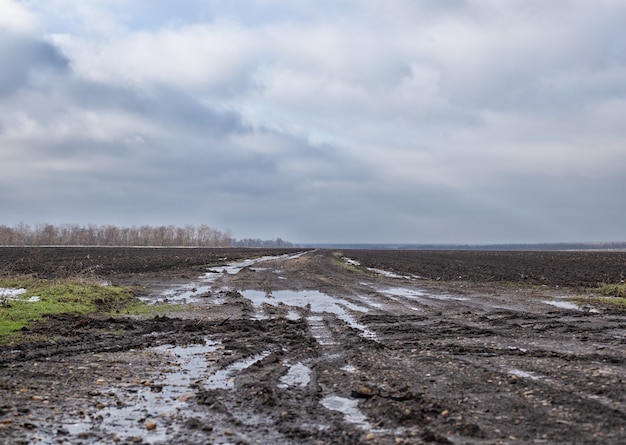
(111, 235)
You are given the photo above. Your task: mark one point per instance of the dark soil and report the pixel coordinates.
(117, 262)
(572, 269)
(468, 350)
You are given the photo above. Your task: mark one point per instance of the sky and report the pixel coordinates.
(335, 121)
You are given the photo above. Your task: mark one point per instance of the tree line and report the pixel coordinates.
(140, 236)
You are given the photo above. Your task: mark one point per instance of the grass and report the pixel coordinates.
(57, 297)
(608, 296)
(344, 265)
(613, 295)
(613, 290)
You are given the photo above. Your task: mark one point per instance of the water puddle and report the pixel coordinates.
(320, 331)
(349, 408)
(180, 294)
(350, 261)
(315, 301)
(418, 295)
(388, 274)
(562, 303)
(524, 374)
(373, 303)
(404, 292)
(9, 294)
(349, 368)
(205, 283)
(382, 272)
(193, 363)
(224, 378)
(166, 398)
(293, 315)
(298, 375)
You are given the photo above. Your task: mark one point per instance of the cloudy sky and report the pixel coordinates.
(425, 121)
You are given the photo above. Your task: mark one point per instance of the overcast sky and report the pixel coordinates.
(424, 121)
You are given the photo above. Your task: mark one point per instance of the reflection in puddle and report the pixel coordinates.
(180, 294)
(293, 315)
(418, 295)
(193, 362)
(7, 294)
(319, 330)
(11, 293)
(164, 399)
(315, 301)
(404, 292)
(382, 272)
(186, 292)
(524, 374)
(350, 261)
(563, 304)
(298, 375)
(386, 273)
(349, 408)
(223, 379)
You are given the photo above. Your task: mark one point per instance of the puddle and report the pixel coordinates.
(293, 315)
(418, 295)
(235, 268)
(193, 363)
(524, 374)
(7, 294)
(372, 303)
(315, 301)
(320, 331)
(181, 294)
(349, 368)
(298, 375)
(446, 297)
(165, 399)
(386, 273)
(204, 284)
(224, 379)
(404, 292)
(350, 261)
(563, 304)
(382, 272)
(11, 293)
(349, 408)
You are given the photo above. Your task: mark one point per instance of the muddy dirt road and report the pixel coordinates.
(322, 347)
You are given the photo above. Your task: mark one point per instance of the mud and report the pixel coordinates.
(323, 347)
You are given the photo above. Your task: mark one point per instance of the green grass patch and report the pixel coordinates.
(615, 301)
(46, 297)
(607, 296)
(613, 290)
(347, 266)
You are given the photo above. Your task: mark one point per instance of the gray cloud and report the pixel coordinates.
(26, 61)
(369, 121)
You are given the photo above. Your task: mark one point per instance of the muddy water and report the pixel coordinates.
(312, 301)
(206, 283)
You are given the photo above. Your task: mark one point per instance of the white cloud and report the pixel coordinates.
(407, 115)
(16, 18)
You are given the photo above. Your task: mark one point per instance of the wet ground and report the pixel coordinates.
(324, 347)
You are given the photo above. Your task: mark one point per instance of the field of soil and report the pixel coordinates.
(291, 346)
